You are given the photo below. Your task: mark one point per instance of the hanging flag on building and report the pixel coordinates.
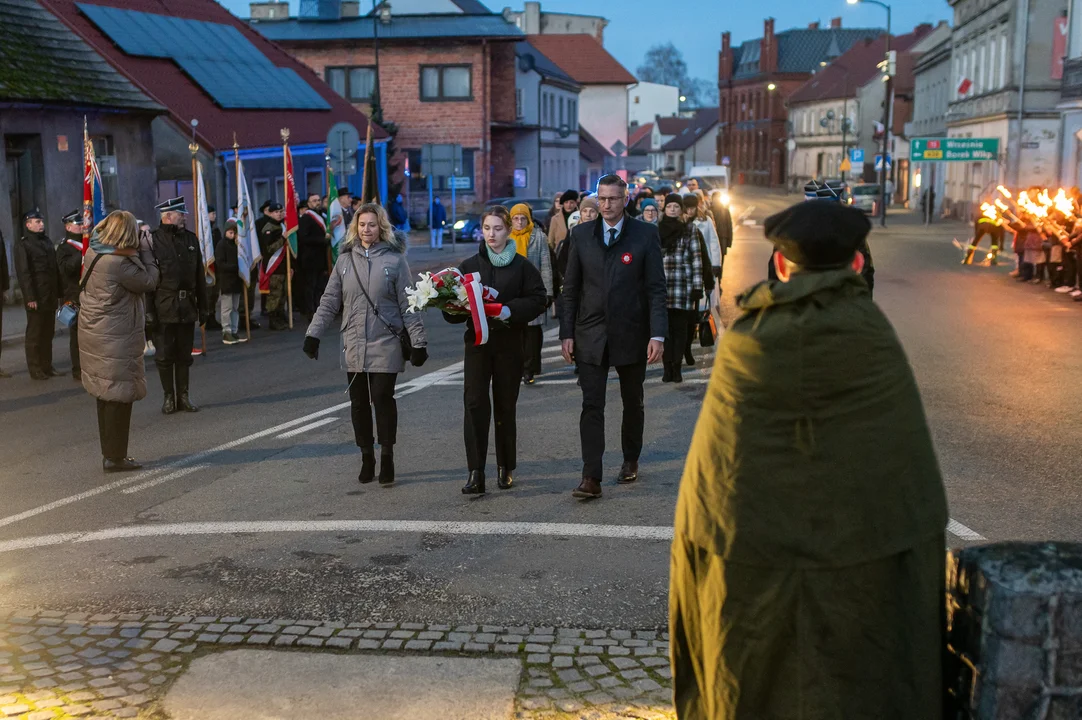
(204, 231)
(93, 197)
(335, 219)
(248, 252)
(964, 87)
(290, 201)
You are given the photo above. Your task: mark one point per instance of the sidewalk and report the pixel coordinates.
(421, 259)
(60, 665)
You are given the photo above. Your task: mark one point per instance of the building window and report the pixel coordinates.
(356, 84)
(313, 183)
(561, 112)
(441, 184)
(261, 189)
(573, 121)
(446, 83)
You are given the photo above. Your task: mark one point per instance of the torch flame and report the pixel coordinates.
(1001, 205)
(1063, 203)
(989, 211)
(1004, 192)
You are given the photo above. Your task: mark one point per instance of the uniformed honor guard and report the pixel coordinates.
(69, 256)
(39, 278)
(272, 244)
(177, 305)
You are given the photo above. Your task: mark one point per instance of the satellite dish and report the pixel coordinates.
(526, 62)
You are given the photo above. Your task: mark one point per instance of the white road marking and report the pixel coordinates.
(958, 529)
(306, 428)
(165, 478)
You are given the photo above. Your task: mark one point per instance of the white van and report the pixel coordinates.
(712, 177)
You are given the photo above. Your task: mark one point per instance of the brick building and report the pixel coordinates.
(446, 78)
(755, 81)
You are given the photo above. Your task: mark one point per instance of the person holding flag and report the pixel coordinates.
(312, 253)
(336, 217)
(69, 257)
(248, 250)
(272, 276)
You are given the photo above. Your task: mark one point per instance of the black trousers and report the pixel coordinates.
(532, 340)
(40, 328)
(594, 379)
(173, 343)
(313, 281)
(114, 423)
(365, 391)
(73, 346)
(496, 365)
(678, 338)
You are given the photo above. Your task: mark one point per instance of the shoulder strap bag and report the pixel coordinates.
(403, 337)
(68, 314)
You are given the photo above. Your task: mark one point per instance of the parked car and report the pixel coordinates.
(468, 227)
(865, 197)
(836, 190)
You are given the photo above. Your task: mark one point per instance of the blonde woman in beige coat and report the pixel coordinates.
(118, 270)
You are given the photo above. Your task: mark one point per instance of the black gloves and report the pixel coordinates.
(696, 296)
(311, 347)
(717, 271)
(548, 301)
(418, 357)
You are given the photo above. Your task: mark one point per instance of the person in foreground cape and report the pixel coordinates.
(808, 566)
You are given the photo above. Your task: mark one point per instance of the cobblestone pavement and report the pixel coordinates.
(65, 665)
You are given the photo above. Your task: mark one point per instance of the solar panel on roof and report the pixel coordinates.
(216, 56)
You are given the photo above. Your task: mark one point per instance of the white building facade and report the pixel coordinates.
(646, 101)
(547, 105)
(1071, 98)
(931, 101)
(820, 143)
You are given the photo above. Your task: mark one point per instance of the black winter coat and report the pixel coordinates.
(614, 297)
(181, 296)
(312, 243)
(521, 289)
(5, 283)
(228, 265)
(37, 269)
(70, 260)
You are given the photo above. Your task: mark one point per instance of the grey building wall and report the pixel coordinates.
(552, 161)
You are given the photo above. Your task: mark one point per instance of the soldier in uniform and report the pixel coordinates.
(271, 241)
(69, 256)
(39, 278)
(213, 291)
(177, 305)
(312, 247)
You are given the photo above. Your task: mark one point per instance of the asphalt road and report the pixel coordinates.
(252, 507)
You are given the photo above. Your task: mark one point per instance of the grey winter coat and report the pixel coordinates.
(370, 346)
(112, 316)
(539, 255)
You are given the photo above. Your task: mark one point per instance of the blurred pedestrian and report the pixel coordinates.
(649, 211)
(807, 567)
(569, 203)
(400, 219)
(682, 261)
(437, 222)
(69, 258)
(5, 285)
(39, 280)
(496, 366)
(231, 298)
(587, 209)
(345, 199)
(273, 283)
(368, 286)
(612, 314)
(723, 222)
(120, 272)
(709, 253)
(531, 244)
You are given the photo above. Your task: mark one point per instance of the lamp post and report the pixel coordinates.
(381, 12)
(886, 112)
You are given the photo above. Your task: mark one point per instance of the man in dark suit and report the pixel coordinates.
(612, 315)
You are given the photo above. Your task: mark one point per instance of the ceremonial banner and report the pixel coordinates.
(93, 197)
(248, 253)
(335, 219)
(290, 201)
(203, 228)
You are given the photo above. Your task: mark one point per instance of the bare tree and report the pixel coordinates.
(665, 64)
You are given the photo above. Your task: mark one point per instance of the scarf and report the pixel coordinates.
(672, 230)
(522, 237)
(502, 259)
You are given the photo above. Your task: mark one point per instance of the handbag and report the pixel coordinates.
(68, 314)
(403, 337)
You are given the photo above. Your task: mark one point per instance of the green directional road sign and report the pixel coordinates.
(953, 149)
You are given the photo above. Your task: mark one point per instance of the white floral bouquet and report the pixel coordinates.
(456, 294)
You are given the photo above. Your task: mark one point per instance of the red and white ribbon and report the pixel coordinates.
(480, 298)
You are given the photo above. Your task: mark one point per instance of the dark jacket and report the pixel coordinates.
(70, 260)
(271, 237)
(613, 297)
(439, 215)
(228, 265)
(398, 214)
(5, 283)
(723, 222)
(520, 288)
(37, 269)
(181, 296)
(312, 242)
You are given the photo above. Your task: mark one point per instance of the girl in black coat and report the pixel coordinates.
(498, 363)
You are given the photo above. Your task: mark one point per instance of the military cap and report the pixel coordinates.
(210, 209)
(174, 205)
(34, 214)
(75, 217)
(818, 234)
(273, 206)
(343, 191)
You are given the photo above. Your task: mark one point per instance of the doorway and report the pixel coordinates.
(26, 176)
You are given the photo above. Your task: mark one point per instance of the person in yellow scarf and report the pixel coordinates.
(530, 243)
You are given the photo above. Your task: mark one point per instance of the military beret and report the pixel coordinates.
(818, 234)
(274, 206)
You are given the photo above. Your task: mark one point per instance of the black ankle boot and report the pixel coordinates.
(386, 466)
(503, 478)
(666, 375)
(476, 484)
(166, 376)
(368, 467)
(183, 403)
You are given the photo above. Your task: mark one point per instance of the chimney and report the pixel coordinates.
(726, 38)
(531, 18)
(835, 23)
(768, 49)
(725, 58)
(268, 10)
(814, 25)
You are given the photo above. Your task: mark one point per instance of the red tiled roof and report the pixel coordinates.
(163, 81)
(854, 68)
(641, 133)
(672, 125)
(583, 58)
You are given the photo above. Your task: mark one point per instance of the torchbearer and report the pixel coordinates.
(807, 569)
(177, 305)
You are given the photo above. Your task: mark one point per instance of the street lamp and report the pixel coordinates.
(771, 87)
(886, 112)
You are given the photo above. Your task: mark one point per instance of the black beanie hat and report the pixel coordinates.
(569, 196)
(673, 198)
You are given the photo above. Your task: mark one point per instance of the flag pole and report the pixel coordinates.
(289, 268)
(236, 240)
(193, 146)
(364, 174)
(327, 210)
(88, 198)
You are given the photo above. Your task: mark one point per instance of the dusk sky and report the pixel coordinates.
(695, 26)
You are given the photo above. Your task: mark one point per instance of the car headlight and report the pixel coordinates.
(724, 197)
(460, 224)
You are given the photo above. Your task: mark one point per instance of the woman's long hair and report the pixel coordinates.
(119, 229)
(387, 233)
